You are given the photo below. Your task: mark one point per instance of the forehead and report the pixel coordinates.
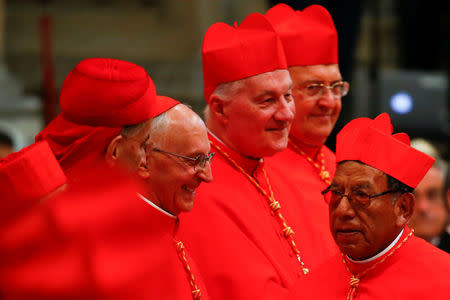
(277, 81)
(300, 74)
(350, 173)
(187, 135)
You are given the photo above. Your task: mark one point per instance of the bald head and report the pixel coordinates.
(179, 122)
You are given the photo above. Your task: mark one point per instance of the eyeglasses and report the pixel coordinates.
(356, 196)
(315, 90)
(198, 162)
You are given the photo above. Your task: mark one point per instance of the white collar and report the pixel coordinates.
(391, 245)
(156, 206)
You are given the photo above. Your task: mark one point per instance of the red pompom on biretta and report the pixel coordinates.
(309, 36)
(233, 53)
(372, 142)
(107, 92)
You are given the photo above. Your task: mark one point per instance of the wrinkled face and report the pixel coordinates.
(430, 214)
(260, 115)
(315, 116)
(362, 231)
(173, 180)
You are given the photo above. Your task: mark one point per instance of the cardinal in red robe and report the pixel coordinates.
(370, 202)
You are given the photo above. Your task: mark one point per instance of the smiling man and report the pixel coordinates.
(307, 166)
(178, 159)
(237, 232)
(370, 202)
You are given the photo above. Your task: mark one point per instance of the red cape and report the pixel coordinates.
(97, 240)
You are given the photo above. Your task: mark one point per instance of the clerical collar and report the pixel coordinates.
(249, 164)
(391, 245)
(156, 206)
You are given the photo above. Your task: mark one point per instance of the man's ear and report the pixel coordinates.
(404, 208)
(143, 171)
(113, 151)
(217, 108)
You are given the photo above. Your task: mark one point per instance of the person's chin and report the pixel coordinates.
(279, 138)
(276, 147)
(186, 203)
(323, 120)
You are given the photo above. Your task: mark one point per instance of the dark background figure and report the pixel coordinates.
(444, 242)
(423, 32)
(347, 19)
(6, 144)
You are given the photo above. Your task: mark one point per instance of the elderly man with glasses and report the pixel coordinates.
(307, 166)
(237, 232)
(178, 159)
(110, 113)
(370, 203)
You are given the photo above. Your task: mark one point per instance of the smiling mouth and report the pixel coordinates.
(321, 116)
(188, 189)
(276, 129)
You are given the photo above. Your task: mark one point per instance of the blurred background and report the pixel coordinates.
(394, 53)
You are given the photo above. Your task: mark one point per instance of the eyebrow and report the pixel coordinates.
(267, 92)
(364, 184)
(319, 81)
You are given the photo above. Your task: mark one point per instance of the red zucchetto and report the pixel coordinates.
(27, 176)
(233, 53)
(372, 142)
(107, 92)
(309, 36)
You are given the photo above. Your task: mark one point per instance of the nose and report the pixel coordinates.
(327, 99)
(285, 111)
(205, 174)
(343, 209)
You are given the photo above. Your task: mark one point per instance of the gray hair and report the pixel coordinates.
(131, 130)
(158, 126)
(225, 91)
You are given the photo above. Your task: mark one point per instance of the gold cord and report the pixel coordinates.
(323, 173)
(274, 205)
(355, 279)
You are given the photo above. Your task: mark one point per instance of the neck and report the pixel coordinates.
(222, 138)
(379, 254)
(248, 164)
(310, 150)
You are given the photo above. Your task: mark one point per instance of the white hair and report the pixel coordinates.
(158, 126)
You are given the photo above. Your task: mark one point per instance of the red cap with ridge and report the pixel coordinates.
(309, 36)
(98, 98)
(372, 142)
(233, 53)
(107, 92)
